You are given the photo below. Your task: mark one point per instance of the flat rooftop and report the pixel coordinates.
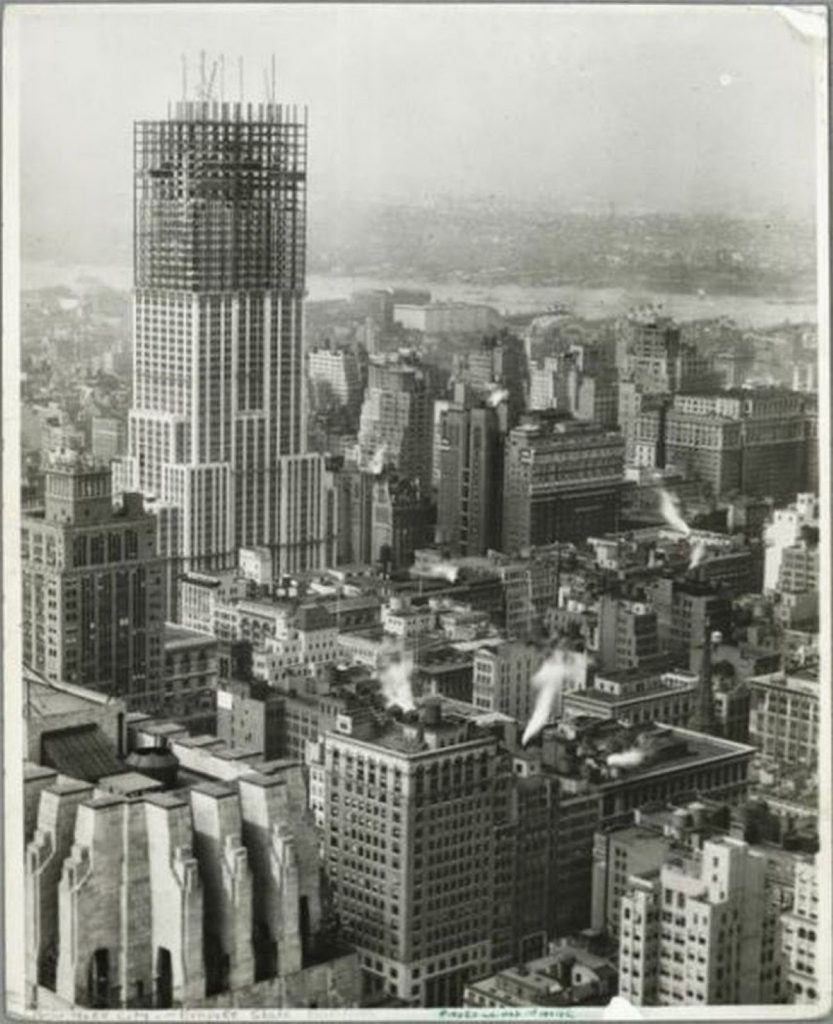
(46, 699)
(129, 783)
(180, 638)
(653, 689)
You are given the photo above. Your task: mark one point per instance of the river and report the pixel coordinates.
(593, 303)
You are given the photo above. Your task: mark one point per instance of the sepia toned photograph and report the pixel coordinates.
(416, 489)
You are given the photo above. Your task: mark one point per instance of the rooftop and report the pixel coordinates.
(128, 783)
(180, 638)
(45, 698)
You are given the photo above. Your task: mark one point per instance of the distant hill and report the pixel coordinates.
(493, 240)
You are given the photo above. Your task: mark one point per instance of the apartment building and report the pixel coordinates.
(800, 937)
(698, 931)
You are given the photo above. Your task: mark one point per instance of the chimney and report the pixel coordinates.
(565, 970)
(431, 711)
(703, 718)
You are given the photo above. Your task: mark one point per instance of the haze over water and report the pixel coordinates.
(589, 303)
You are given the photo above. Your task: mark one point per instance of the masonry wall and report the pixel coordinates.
(274, 863)
(176, 902)
(36, 778)
(105, 957)
(227, 878)
(334, 984)
(45, 856)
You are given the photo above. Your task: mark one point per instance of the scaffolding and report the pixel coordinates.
(220, 198)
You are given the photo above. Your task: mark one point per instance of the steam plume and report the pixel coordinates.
(496, 397)
(632, 758)
(445, 570)
(549, 681)
(670, 512)
(669, 508)
(377, 463)
(698, 553)
(396, 683)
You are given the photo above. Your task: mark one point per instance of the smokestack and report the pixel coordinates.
(703, 720)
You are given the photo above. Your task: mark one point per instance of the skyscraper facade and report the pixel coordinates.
(217, 427)
(93, 609)
(562, 481)
(395, 426)
(471, 479)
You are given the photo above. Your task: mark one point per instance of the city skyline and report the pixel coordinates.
(409, 649)
(678, 110)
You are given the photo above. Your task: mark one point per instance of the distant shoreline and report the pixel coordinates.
(749, 311)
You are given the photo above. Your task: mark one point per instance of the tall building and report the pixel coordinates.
(597, 399)
(355, 515)
(217, 427)
(562, 481)
(409, 840)
(93, 597)
(396, 420)
(800, 936)
(502, 679)
(784, 530)
(498, 362)
(685, 609)
(757, 442)
(471, 478)
(403, 519)
(544, 384)
(107, 436)
(628, 635)
(336, 370)
(651, 353)
(698, 930)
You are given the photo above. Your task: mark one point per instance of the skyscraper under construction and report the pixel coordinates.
(217, 427)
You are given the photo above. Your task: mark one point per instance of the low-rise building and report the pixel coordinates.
(190, 676)
(638, 696)
(568, 976)
(784, 717)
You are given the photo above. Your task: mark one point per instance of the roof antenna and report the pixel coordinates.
(209, 89)
(222, 78)
(240, 77)
(273, 79)
(202, 74)
(184, 78)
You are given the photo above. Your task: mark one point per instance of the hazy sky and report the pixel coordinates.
(681, 109)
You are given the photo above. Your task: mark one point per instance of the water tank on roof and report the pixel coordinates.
(155, 762)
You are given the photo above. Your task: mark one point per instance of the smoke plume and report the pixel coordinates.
(496, 397)
(560, 667)
(395, 678)
(632, 758)
(670, 512)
